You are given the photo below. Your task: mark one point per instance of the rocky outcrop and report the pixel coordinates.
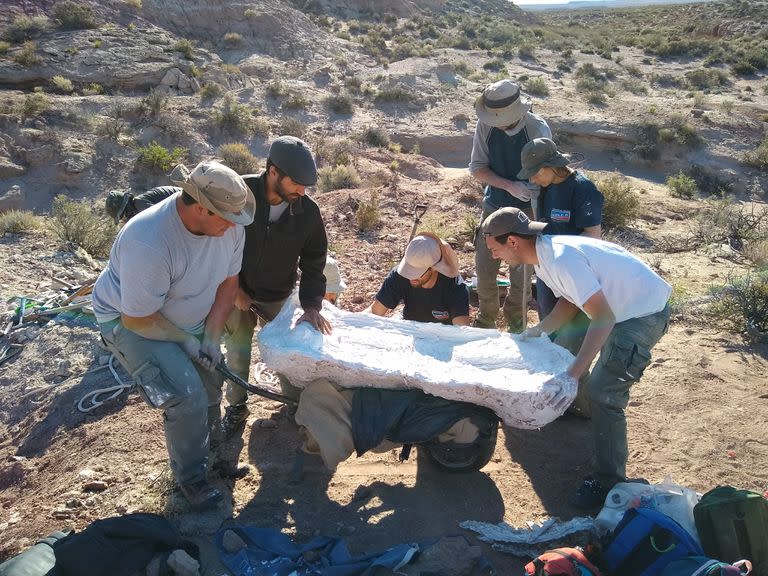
(13, 199)
(117, 59)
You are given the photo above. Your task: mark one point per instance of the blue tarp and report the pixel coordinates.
(271, 553)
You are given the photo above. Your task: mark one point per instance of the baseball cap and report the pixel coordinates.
(428, 251)
(293, 157)
(537, 154)
(511, 220)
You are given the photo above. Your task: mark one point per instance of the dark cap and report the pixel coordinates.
(511, 220)
(116, 203)
(293, 157)
(537, 154)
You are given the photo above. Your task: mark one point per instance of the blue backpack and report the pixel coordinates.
(645, 541)
(701, 566)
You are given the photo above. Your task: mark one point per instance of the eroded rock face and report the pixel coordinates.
(13, 199)
(483, 367)
(116, 58)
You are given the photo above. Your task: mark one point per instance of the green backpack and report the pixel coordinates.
(733, 524)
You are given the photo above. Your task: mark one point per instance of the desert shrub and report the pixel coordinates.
(340, 103)
(296, 102)
(93, 88)
(231, 68)
(4, 47)
(76, 222)
(495, 65)
(260, 127)
(18, 221)
(186, 47)
(238, 157)
(634, 86)
(681, 186)
(338, 177)
(727, 221)
(291, 127)
(375, 136)
(210, 91)
(73, 15)
(275, 89)
(622, 205)
(25, 27)
(685, 133)
(233, 117)
(708, 181)
(333, 151)
(527, 52)
(62, 85)
(759, 156)
(154, 102)
(112, 128)
(251, 13)
(393, 94)
(537, 87)
(233, 39)
(97, 42)
(706, 78)
(367, 213)
(157, 157)
(743, 303)
(135, 4)
(461, 68)
(33, 105)
(27, 55)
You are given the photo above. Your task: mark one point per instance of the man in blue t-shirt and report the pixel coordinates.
(427, 282)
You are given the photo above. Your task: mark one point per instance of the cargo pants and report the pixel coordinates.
(238, 338)
(622, 361)
(168, 380)
(487, 269)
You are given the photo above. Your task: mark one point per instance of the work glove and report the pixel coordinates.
(559, 391)
(210, 354)
(528, 333)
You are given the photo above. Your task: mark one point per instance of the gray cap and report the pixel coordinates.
(116, 203)
(537, 154)
(511, 220)
(293, 157)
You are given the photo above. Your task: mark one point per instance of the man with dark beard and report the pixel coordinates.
(286, 235)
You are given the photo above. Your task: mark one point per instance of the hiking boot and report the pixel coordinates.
(234, 419)
(590, 495)
(230, 471)
(201, 494)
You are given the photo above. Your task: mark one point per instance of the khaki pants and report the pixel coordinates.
(238, 338)
(325, 411)
(487, 269)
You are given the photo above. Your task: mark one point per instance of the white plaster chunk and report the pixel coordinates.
(484, 367)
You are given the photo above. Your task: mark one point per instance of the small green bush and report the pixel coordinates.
(233, 117)
(537, 87)
(233, 39)
(231, 68)
(527, 52)
(186, 47)
(73, 15)
(706, 78)
(291, 127)
(93, 88)
(34, 104)
(275, 89)
(340, 103)
(338, 177)
(495, 65)
(759, 156)
(743, 304)
(250, 13)
(18, 221)
(157, 157)
(210, 91)
(27, 56)
(112, 128)
(393, 94)
(295, 102)
(621, 206)
(367, 213)
(154, 102)
(681, 186)
(375, 136)
(4, 47)
(238, 157)
(25, 27)
(62, 85)
(76, 222)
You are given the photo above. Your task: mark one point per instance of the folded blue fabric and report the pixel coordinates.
(271, 553)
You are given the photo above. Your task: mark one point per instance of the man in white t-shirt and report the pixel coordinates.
(162, 301)
(627, 305)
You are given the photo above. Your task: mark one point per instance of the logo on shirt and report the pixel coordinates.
(560, 215)
(440, 314)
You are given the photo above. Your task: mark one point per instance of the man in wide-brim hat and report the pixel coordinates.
(505, 124)
(162, 302)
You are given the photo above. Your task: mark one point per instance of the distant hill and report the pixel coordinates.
(582, 4)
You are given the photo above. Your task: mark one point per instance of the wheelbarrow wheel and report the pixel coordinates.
(454, 457)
